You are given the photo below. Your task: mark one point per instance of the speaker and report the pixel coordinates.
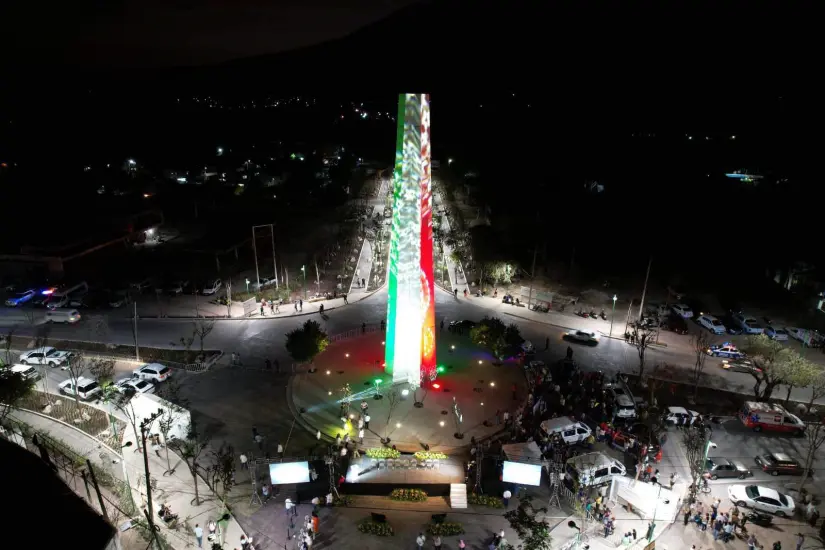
(379, 518)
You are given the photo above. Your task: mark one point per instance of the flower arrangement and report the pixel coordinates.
(429, 455)
(383, 453)
(485, 500)
(408, 495)
(374, 528)
(445, 529)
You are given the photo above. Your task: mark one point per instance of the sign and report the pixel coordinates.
(249, 307)
(538, 295)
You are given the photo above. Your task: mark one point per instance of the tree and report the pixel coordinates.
(799, 373)
(172, 413)
(534, 533)
(101, 371)
(815, 434)
(190, 448)
(643, 338)
(6, 341)
(306, 342)
(201, 330)
(699, 343)
(490, 334)
(501, 272)
(13, 389)
(696, 438)
(817, 387)
(122, 400)
(222, 472)
(75, 365)
(772, 358)
(392, 403)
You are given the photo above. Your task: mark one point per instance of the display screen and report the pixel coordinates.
(523, 474)
(289, 472)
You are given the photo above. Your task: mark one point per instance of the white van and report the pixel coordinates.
(571, 430)
(593, 469)
(62, 315)
(26, 371)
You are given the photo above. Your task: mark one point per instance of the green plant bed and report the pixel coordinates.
(485, 500)
(370, 527)
(446, 529)
(429, 455)
(408, 495)
(383, 453)
(343, 500)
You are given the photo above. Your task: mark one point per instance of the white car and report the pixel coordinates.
(137, 385)
(682, 310)
(152, 371)
(803, 334)
(712, 324)
(679, 416)
(211, 287)
(84, 389)
(263, 282)
(586, 336)
(45, 356)
(20, 298)
(177, 287)
(776, 333)
(55, 302)
(762, 499)
(749, 324)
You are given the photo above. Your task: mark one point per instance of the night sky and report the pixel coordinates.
(163, 33)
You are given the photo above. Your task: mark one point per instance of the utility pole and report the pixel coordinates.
(134, 331)
(274, 262)
(97, 489)
(532, 277)
(229, 298)
(644, 290)
(255, 252)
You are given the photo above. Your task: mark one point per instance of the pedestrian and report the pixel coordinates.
(634, 535)
(234, 359)
(672, 480)
(272, 307)
(728, 532)
(717, 527)
(265, 492)
(507, 495)
(295, 304)
(263, 304)
(461, 544)
(363, 328)
(361, 436)
(420, 540)
(338, 440)
(290, 507)
(321, 309)
(437, 542)
(212, 526)
(547, 343)
(455, 293)
(752, 542)
(344, 296)
(777, 545)
(363, 283)
(329, 499)
(506, 417)
(268, 364)
(244, 461)
(686, 513)
(199, 535)
(315, 503)
(498, 417)
(260, 441)
(301, 304)
(318, 435)
(367, 422)
(315, 522)
(244, 542)
(280, 451)
(800, 539)
(156, 446)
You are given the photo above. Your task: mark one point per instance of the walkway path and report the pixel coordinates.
(363, 268)
(458, 279)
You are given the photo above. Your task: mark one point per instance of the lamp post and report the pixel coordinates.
(145, 425)
(304, 283)
(613, 315)
(247, 285)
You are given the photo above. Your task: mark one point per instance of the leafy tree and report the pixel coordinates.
(799, 373)
(699, 344)
(696, 438)
(501, 272)
(771, 357)
(815, 434)
(13, 389)
(306, 342)
(101, 371)
(533, 532)
(491, 333)
(190, 449)
(644, 337)
(817, 387)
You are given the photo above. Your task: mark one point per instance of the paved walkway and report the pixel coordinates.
(458, 279)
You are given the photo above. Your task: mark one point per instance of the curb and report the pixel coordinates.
(620, 338)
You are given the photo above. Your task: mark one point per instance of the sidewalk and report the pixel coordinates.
(458, 279)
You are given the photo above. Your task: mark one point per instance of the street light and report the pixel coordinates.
(255, 252)
(247, 284)
(613, 315)
(304, 284)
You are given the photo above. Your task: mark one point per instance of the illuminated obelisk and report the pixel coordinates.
(410, 338)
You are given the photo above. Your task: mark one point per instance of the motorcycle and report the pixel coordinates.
(603, 315)
(759, 519)
(582, 313)
(593, 314)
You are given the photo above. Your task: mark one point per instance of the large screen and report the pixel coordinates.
(523, 474)
(289, 472)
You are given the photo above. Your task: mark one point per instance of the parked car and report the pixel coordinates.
(675, 323)
(82, 387)
(776, 333)
(57, 301)
(749, 324)
(679, 416)
(780, 463)
(152, 371)
(809, 337)
(177, 287)
(211, 287)
(731, 325)
(46, 355)
(725, 350)
(740, 365)
(762, 499)
(461, 326)
(682, 310)
(716, 467)
(20, 298)
(584, 336)
(135, 385)
(712, 324)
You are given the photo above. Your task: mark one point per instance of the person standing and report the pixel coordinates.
(361, 436)
(367, 422)
(268, 364)
(198, 535)
(437, 542)
(507, 495)
(547, 343)
(272, 307)
(280, 451)
(244, 461)
(800, 540)
(420, 540)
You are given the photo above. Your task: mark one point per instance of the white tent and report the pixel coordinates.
(648, 500)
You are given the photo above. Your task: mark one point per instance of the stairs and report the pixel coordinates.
(458, 495)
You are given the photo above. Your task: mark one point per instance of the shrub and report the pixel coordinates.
(429, 455)
(342, 500)
(485, 500)
(446, 529)
(378, 529)
(408, 495)
(383, 453)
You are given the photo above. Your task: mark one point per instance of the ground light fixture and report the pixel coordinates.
(330, 393)
(398, 424)
(492, 384)
(479, 361)
(328, 372)
(436, 386)
(405, 392)
(441, 423)
(440, 369)
(346, 354)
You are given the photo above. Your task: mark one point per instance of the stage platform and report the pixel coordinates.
(365, 478)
